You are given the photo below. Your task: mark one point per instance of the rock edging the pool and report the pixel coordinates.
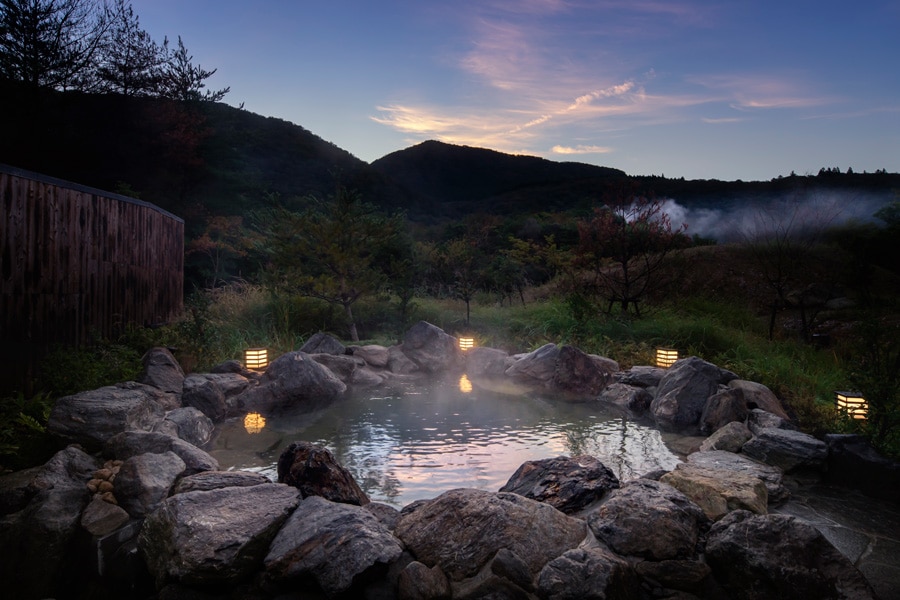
(135, 494)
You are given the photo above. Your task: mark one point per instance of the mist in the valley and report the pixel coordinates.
(738, 219)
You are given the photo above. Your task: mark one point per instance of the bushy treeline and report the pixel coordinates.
(95, 46)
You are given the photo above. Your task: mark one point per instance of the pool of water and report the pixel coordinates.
(416, 442)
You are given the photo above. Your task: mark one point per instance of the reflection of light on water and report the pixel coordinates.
(420, 443)
(254, 422)
(465, 386)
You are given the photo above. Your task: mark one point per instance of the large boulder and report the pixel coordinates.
(728, 462)
(561, 370)
(90, 418)
(588, 573)
(487, 363)
(461, 530)
(756, 395)
(38, 557)
(759, 419)
(566, 484)
(162, 371)
(374, 355)
(853, 462)
(431, 349)
(217, 537)
(189, 424)
(729, 437)
(316, 472)
(133, 443)
(683, 392)
(205, 395)
(331, 543)
(145, 480)
(291, 380)
(632, 398)
(719, 492)
(323, 343)
(790, 451)
(650, 520)
(725, 407)
(778, 556)
(643, 376)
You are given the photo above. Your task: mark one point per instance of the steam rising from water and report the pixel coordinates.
(735, 219)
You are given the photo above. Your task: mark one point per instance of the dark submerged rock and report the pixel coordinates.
(566, 484)
(315, 472)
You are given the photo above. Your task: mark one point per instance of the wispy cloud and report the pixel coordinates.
(581, 150)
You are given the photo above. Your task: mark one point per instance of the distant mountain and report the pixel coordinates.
(203, 159)
(452, 181)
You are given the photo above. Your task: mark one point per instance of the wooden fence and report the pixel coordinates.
(78, 263)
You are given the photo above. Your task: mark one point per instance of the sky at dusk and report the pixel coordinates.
(695, 88)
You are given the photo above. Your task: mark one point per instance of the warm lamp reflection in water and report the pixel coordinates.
(465, 386)
(254, 422)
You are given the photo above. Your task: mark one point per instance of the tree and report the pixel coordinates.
(214, 252)
(50, 43)
(129, 62)
(331, 250)
(182, 80)
(624, 246)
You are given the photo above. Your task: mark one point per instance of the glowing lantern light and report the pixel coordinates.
(852, 403)
(254, 422)
(256, 358)
(666, 357)
(466, 343)
(465, 386)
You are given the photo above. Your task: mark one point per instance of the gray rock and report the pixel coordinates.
(90, 418)
(323, 343)
(101, 518)
(690, 576)
(488, 363)
(387, 514)
(162, 371)
(719, 492)
(683, 392)
(788, 450)
(145, 480)
(189, 424)
(566, 484)
(722, 408)
(642, 376)
(217, 537)
(315, 472)
(373, 354)
(461, 530)
(36, 558)
(510, 566)
(564, 371)
(17, 489)
(728, 462)
(291, 380)
(587, 573)
(431, 349)
(205, 395)
(758, 419)
(399, 363)
(777, 556)
(756, 395)
(729, 437)
(330, 542)
(419, 582)
(649, 519)
(133, 443)
(632, 398)
(214, 480)
(342, 365)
